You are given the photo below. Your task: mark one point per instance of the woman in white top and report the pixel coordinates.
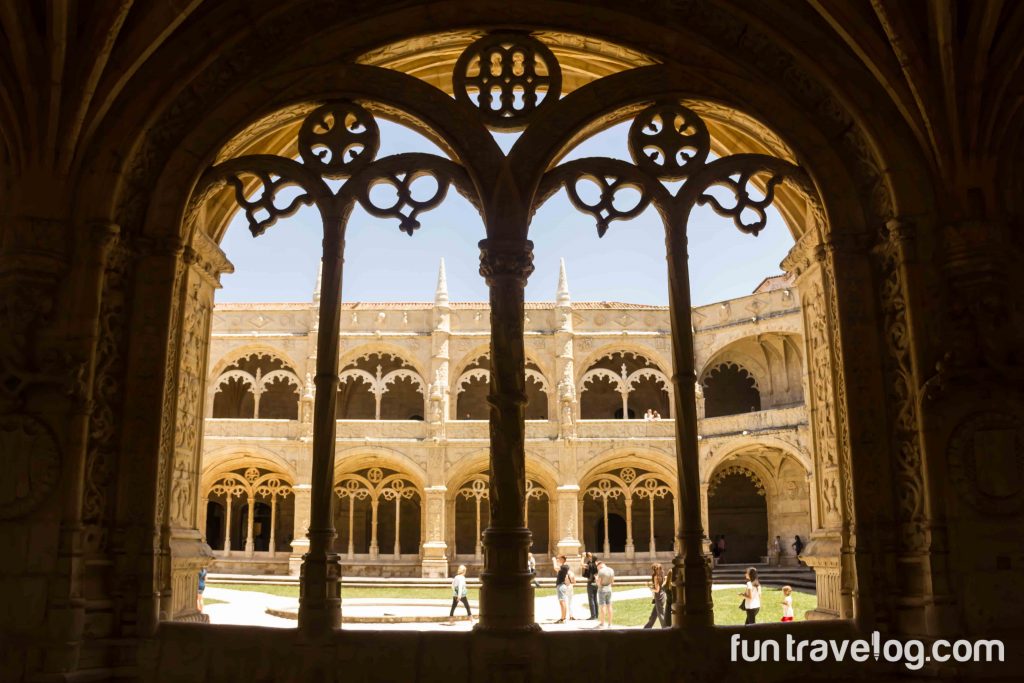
(787, 603)
(459, 592)
(751, 595)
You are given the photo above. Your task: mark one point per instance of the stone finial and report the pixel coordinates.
(562, 297)
(319, 281)
(441, 295)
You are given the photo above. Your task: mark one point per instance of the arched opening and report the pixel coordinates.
(472, 389)
(730, 389)
(643, 389)
(377, 517)
(616, 531)
(380, 386)
(737, 510)
(623, 384)
(259, 386)
(214, 524)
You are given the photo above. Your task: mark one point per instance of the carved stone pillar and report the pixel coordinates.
(568, 522)
(437, 396)
(823, 549)
(630, 548)
(506, 596)
(565, 367)
(435, 550)
(188, 553)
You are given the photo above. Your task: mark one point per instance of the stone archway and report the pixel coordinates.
(737, 510)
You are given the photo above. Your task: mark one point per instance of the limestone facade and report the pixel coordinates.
(412, 411)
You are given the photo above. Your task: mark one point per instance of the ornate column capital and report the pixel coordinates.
(506, 260)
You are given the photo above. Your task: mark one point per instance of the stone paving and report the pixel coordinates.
(250, 608)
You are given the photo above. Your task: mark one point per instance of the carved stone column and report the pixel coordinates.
(565, 367)
(188, 553)
(692, 568)
(568, 522)
(823, 549)
(435, 550)
(437, 398)
(320, 576)
(506, 596)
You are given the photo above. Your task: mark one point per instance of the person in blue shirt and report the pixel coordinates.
(202, 587)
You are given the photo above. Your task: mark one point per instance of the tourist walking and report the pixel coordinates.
(659, 599)
(202, 587)
(751, 596)
(590, 574)
(531, 566)
(798, 546)
(459, 593)
(721, 549)
(787, 603)
(605, 580)
(562, 587)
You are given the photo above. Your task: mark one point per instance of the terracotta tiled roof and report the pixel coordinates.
(770, 284)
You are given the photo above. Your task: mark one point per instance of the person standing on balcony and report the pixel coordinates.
(590, 574)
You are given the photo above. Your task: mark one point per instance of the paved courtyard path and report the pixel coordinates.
(246, 607)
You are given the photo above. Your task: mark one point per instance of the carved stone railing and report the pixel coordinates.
(778, 418)
(281, 429)
(381, 429)
(590, 429)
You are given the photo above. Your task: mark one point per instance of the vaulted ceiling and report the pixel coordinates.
(952, 69)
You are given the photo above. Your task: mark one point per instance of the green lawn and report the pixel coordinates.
(213, 601)
(727, 611)
(439, 593)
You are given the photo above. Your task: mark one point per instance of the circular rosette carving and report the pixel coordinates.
(669, 141)
(508, 77)
(30, 461)
(338, 139)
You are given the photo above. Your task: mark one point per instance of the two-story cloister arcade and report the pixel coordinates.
(887, 134)
(685, 151)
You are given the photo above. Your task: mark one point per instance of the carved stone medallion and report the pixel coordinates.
(986, 462)
(30, 462)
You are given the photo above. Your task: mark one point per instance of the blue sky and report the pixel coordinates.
(384, 264)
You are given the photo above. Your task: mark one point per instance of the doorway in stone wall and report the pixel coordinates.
(737, 509)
